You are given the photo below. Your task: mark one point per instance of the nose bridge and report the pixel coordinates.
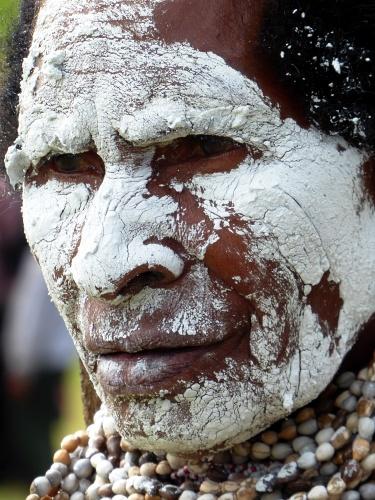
(114, 239)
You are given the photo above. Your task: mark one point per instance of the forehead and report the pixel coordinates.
(93, 63)
(231, 29)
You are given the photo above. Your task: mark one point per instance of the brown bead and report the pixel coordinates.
(340, 419)
(361, 448)
(126, 446)
(336, 485)
(229, 486)
(148, 469)
(136, 496)
(163, 468)
(62, 495)
(305, 414)
(114, 459)
(246, 494)
(242, 450)
(83, 437)
(365, 407)
(61, 456)
(99, 443)
(152, 497)
(310, 474)
(293, 457)
(340, 438)
(105, 490)
(350, 470)
(343, 455)
(288, 431)
(70, 443)
(209, 486)
(113, 445)
(217, 473)
(269, 437)
(325, 420)
(134, 471)
(223, 457)
(298, 485)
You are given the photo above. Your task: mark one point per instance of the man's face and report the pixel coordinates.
(211, 254)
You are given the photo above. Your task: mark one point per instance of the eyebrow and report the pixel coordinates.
(160, 123)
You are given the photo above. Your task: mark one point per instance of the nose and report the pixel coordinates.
(127, 242)
(157, 265)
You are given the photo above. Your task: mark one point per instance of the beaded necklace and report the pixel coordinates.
(325, 450)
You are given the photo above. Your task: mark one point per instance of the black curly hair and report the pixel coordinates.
(16, 48)
(324, 51)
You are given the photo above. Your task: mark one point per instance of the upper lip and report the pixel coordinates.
(144, 340)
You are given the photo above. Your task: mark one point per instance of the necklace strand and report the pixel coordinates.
(323, 451)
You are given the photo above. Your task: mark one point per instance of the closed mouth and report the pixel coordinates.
(147, 372)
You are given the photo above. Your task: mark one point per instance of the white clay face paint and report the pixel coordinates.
(300, 207)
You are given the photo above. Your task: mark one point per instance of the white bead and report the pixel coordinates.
(366, 428)
(92, 492)
(188, 495)
(104, 468)
(116, 474)
(83, 485)
(324, 435)
(78, 495)
(308, 428)
(300, 442)
(368, 464)
(95, 459)
(70, 483)
(280, 451)
(109, 426)
(40, 486)
(318, 493)
(119, 487)
(325, 452)
(307, 460)
(83, 468)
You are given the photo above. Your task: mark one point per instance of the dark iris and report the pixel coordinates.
(67, 163)
(214, 145)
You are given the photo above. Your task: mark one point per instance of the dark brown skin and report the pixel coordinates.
(232, 30)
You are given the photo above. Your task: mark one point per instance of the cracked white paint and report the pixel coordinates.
(299, 204)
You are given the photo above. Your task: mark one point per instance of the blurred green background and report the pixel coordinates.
(71, 418)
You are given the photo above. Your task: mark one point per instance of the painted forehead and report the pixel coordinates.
(96, 72)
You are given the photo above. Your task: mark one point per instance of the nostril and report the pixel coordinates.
(147, 278)
(139, 278)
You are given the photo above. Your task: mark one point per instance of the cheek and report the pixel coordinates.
(53, 214)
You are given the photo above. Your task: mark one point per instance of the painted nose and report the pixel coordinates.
(158, 266)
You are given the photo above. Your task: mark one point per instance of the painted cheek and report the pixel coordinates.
(53, 215)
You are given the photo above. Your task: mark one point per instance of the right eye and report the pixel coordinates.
(85, 167)
(88, 163)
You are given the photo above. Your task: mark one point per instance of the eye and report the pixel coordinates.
(194, 148)
(88, 163)
(213, 145)
(85, 167)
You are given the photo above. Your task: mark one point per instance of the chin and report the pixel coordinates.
(235, 405)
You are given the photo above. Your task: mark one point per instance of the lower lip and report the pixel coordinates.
(149, 372)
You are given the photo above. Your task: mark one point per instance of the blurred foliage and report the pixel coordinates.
(8, 16)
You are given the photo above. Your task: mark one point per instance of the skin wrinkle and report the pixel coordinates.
(287, 216)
